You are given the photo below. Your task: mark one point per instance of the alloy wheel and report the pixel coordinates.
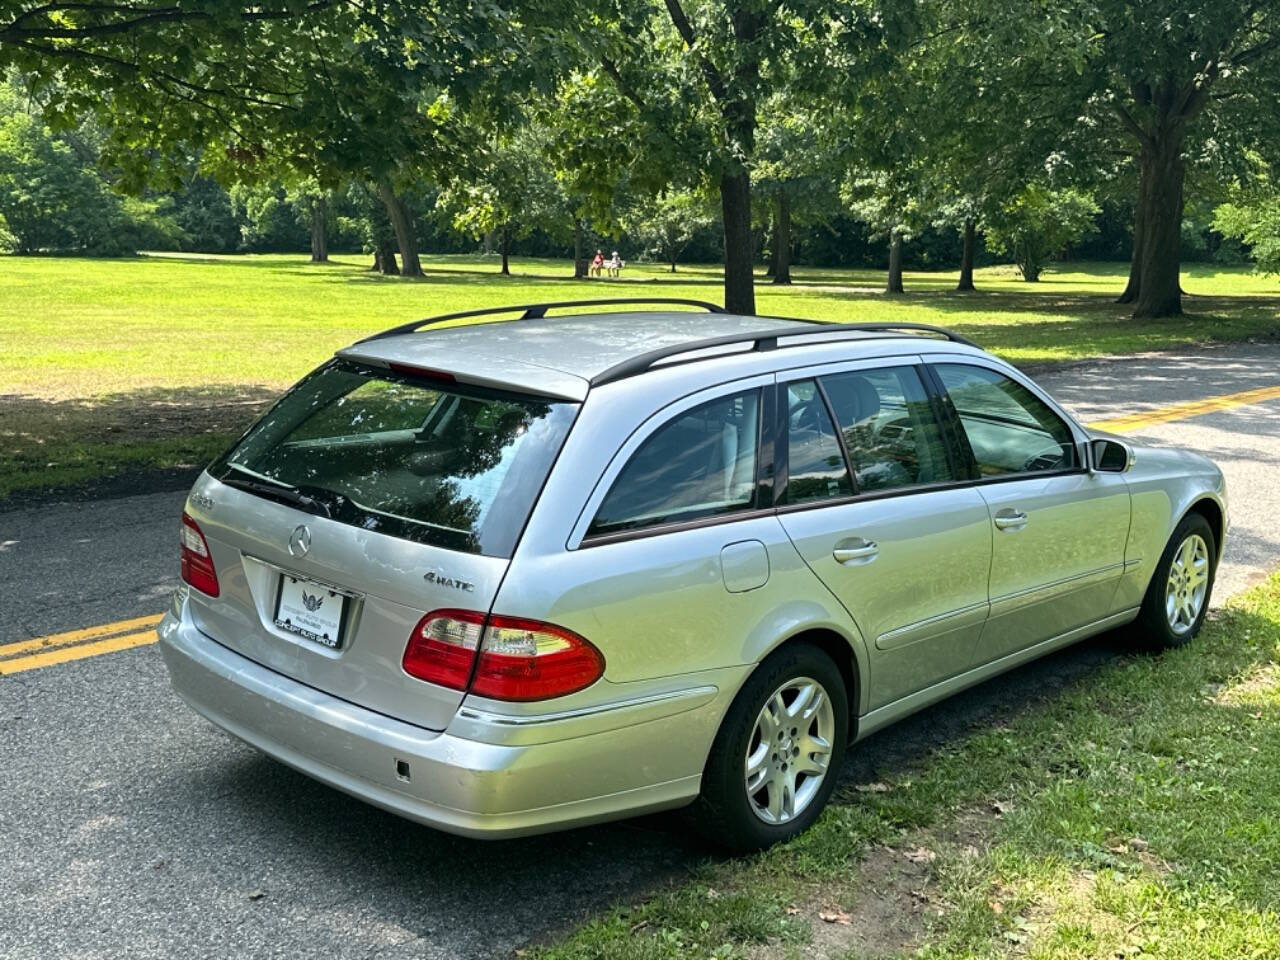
(1188, 584)
(789, 752)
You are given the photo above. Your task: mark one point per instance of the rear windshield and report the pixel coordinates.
(421, 459)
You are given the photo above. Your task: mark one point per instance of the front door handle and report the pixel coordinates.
(1010, 519)
(855, 551)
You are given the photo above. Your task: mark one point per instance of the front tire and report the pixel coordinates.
(778, 752)
(1177, 598)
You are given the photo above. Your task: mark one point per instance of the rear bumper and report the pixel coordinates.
(459, 784)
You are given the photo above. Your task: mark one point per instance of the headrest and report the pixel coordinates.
(853, 397)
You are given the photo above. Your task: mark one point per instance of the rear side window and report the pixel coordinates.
(889, 428)
(702, 463)
(429, 461)
(1009, 429)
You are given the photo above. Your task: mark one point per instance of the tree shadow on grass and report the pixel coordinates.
(141, 441)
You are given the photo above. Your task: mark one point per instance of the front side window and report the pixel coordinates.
(815, 463)
(702, 463)
(1009, 429)
(889, 428)
(421, 459)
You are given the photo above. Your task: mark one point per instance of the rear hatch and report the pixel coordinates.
(364, 500)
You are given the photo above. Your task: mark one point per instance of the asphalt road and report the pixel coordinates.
(131, 827)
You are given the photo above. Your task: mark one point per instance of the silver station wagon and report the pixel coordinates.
(501, 577)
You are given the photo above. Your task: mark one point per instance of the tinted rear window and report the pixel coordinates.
(422, 459)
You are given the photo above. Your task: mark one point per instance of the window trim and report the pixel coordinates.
(771, 452)
(1073, 428)
(762, 384)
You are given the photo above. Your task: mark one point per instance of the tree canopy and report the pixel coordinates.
(505, 118)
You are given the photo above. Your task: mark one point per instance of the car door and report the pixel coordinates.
(875, 510)
(1058, 530)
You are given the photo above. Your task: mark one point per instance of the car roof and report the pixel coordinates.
(561, 355)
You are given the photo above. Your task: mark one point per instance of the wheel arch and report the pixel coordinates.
(843, 652)
(1213, 513)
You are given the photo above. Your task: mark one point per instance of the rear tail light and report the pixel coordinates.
(442, 647)
(197, 562)
(518, 659)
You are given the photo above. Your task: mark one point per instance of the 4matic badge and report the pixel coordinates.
(432, 576)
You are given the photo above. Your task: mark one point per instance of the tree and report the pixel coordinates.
(508, 189)
(335, 89)
(894, 209)
(1039, 223)
(696, 77)
(1252, 214)
(1159, 85)
(665, 225)
(797, 169)
(53, 199)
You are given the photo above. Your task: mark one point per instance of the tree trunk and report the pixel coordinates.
(735, 206)
(579, 263)
(895, 264)
(384, 257)
(673, 264)
(319, 233)
(1160, 200)
(782, 238)
(402, 223)
(506, 251)
(966, 257)
(1135, 262)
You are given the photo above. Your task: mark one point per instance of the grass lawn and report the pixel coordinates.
(111, 367)
(1133, 811)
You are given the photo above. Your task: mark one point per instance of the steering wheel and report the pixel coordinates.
(1049, 459)
(809, 415)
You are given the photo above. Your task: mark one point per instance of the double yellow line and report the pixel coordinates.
(75, 644)
(1184, 411)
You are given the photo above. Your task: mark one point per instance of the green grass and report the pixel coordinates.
(1139, 815)
(92, 349)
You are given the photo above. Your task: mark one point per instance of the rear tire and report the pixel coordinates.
(778, 752)
(1177, 598)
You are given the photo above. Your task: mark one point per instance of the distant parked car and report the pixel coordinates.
(504, 578)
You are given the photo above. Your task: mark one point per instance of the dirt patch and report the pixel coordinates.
(1259, 684)
(887, 906)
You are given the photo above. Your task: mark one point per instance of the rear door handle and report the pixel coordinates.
(855, 551)
(1010, 519)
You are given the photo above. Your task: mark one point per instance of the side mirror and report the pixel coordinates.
(1111, 456)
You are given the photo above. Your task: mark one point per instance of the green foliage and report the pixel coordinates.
(666, 225)
(1038, 224)
(508, 187)
(52, 201)
(1252, 215)
(203, 210)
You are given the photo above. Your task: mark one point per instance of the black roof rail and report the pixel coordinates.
(536, 311)
(761, 341)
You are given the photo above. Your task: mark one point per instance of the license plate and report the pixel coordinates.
(311, 610)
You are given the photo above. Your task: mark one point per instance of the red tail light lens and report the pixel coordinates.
(197, 562)
(531, 660)
(518, 659)
(442, 648)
